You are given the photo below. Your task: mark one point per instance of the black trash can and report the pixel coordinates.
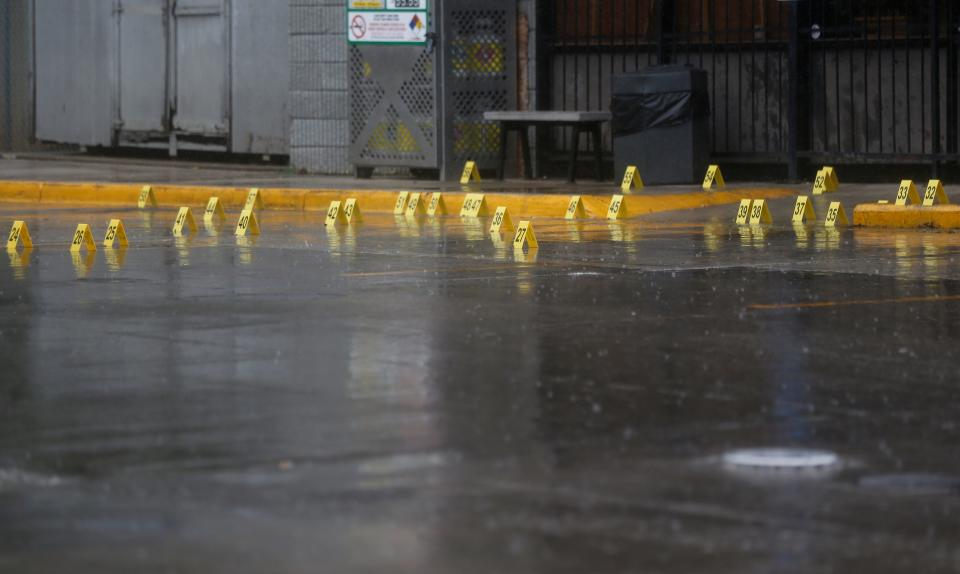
(660, 124)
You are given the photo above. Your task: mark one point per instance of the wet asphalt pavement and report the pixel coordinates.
(410, 396)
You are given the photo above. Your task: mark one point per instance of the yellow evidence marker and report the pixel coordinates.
(714, 175)
(115, 232)
(19, 233)
(760, 213)
(254, 201)
(803, 210)
(247, 222)
(351, 210)
(616, 210)
(470, 173)
(826, 181)
(401, 203)
(437, 205)
(82, 237)
(935, 194)
(907, 193)
(415, 205)
(836, 215)
(743, 212)
(184, 217)
(335, 215)
(213, 210)
(501, 221)
(525, 237)
(575, 208)
(146, 198)
(474, 205)
(631, 179)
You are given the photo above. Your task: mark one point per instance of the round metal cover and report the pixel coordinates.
(780, 458)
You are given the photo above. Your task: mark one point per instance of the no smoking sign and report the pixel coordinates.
(358, 27)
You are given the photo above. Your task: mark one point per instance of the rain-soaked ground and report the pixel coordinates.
(410, 396)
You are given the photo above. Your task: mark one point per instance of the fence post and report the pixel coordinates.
(663, 15)
(793, 96)
(935, 85)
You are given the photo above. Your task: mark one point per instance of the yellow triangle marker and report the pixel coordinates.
(401, 203)
(743, 212)
(616, 210)
(836, 215)
(437, 205)
(146, 198)
(115, 232)
(907, 193)
(254, 201)
(575, 208)
(525, 237)
(19, 233)
(803, 210)
(935, 194)
(501, 220)
(415, 205)
(82, 237)
(760, 213)
(826, 181)
(713, 176)
(474, 205)
(213, 210)
(184, 217)
(335, 215)
(470, 173)
(247, 222)
(351, 210)
(631, 179)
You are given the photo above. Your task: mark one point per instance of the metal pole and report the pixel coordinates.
(935, 84)
(793, 119)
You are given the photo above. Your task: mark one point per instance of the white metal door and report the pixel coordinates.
(202, 70)
(143, 65)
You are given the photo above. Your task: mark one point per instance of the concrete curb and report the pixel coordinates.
(374, 201)
(907, 216)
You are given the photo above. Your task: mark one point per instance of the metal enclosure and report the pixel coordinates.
(421, 105)
(192, 74)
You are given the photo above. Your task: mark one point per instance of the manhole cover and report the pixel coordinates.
(780, 458)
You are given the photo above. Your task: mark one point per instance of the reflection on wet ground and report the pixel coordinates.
(414, 396)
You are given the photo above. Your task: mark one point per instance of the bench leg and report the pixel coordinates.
(597, 153)
(574, 144)
(525, 145)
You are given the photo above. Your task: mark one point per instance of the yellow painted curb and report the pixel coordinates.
(372, 201)
(907, 216)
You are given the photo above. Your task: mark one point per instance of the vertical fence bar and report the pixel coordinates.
(935, 85)
(794, 93)
(907, 80)
(952, 95)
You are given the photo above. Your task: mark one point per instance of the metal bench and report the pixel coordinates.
(581, 122)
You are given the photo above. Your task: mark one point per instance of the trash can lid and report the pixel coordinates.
(661, 79)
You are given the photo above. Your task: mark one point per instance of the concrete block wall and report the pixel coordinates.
(319, 109)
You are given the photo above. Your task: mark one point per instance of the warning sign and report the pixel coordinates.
(387, 22)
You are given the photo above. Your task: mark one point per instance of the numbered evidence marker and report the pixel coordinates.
(803, 210)
(825, 181)
(501, 221)
(254, 201)
(743, 212)
(760, 213)
(184, 217)
(713, 176)
(907, 193)
(616, 210)
(525, 237)
(247, 222)
(115, 232)
(836, 215)
(935, 194)
(146, 198)
(415, 205)
(82, 237)
(631, 179)
(401, 203)
(575, 208)
(474, 205)
(351, 210)
(470, 173)
(437, 205)
(335, 215)
(214, 210)
(19, 233)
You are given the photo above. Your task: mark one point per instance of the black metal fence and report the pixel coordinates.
(844, 80)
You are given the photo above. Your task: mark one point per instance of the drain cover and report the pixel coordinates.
(780, 458)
